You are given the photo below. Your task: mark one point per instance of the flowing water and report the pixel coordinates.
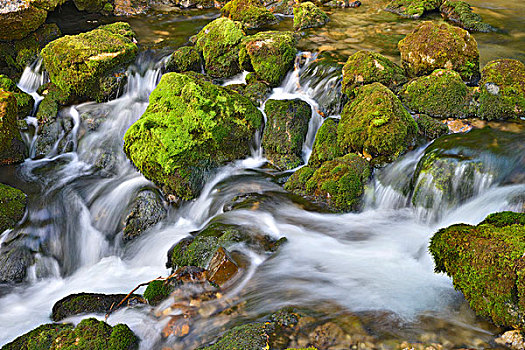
(373, 264)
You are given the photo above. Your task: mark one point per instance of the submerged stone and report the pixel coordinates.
(460, 13)
(413, 8)
(12, 148)
(307, 15)
(251, 13)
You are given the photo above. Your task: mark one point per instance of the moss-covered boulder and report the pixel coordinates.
(218, 42)
(376, 125)
(12, 148)
(460, 13)
(257, 91)
(189, 128)
(430, 127)
(285, 131)
(269, 54)
(366, 67)
(325, 146)
(184, 59)
(12, 206)
(441, 94)
(95, 6)
(251, 13)
(439, 45)
(40, 338)
(487, 264)
(19, 19)
(156, 291)
(413, 8)
(248, 336)
(78, 64)
(339, 184)
(502, 90)
(24, 101)
(307, 15)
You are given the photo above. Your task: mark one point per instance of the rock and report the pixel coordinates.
(511, 339)
(39, 338)
(78, 64)
(12, 148)
(460, 13)
(486, 263)
(366, 67)
(48, 5)
(439, 45)
(157, 291)
(255, 90)
(248, 336)
(12, 206)
(219, 44)
(190, 128)
(147, 210)
(90, 303)
(285, 131)
(94, 6)
(18, 21)
(502, 90)
(222, 267)
(24, 102)
(307, 15)
(339, 184)
(269, 54)
(441, 94)
(325, 146)
(413, 8)
(130, 7)
(431, 128)
(184, 59)
(251, 13)
(14, 261)
(376, 125)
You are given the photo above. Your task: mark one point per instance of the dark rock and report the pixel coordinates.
(14, 262)
(146, 211)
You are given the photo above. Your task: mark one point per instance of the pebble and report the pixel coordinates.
(7, 6)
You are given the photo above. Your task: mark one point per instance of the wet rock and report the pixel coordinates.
(325, 146)
(255, 90)
(285, 132)
(39, 338)
(439, 45)
(441, 94)
(251, 13)
(376, 125)
(94, 6)
(190, 127)
(91, 303)
(269, 54)
(12, 206)
(48, 5)
(147, 210)
(430, 127)
(307, 15)
(413, 8)
(366, 67)
(54, 135)
(184, 59)
(130, 7)
(12, 148)
(502, 90)
(460, 13)
(24, 101)
(486, 263)
(222, 267)
(78, 64)
(511, 339)
(14, 261)
(17, 21)
(219, 44)
(249, 336)
(157, 291)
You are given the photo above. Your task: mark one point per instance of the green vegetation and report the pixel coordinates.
(460, 13)
(12, 206)
(325, 146)
(307, 15)
(184, 59)
(12, 148)
(413, 8)
(24, 101)
(251, 13)
(156, 291)
(430, 127)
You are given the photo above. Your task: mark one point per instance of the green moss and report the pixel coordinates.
(219, 44)
(307, 15)
(12, 206)
(184, 59)
(18, 24)
(76, 64)
(431, 128)
(325, 146)
(252, 336)
(257, 91)
(460, 13)
(297, 182)
(190, 127)
(12, 148)
(40, 338)
(376, 124)
(486, 263)
(439, 45)
(156, 291)
(270, 54)
(251, 13)
(93, 6)
(442, 94)
(24, 101)
(285, 131)
(413, 8)
(366, 67)
(502, 93)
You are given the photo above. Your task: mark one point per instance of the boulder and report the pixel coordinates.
(157, 291)
(24, 102)
(39, 338)
(248, 336)
(14, 261)
(502, 90)
(430, 127)
(19, 19)
(184, 59)
(12, 206)
(325, 146)
(147, 210)
(486, 263)
(376, 125)
(433, 45)
(12, 148)
(460, 13)
(130, 7)
(251, 13)
(190, 128)
(413, 8)
(255, 90)
(95, 6)
(307, 15)
(285, 132)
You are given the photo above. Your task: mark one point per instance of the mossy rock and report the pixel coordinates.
(433, 45)
(252, 336)
(190, 128)
(487, 264)
(156, 291)
(285, 131)
(94, 6)
(413, 8)
(325, 146)
(184, 59)
(219, 44)
(307, 15)
(376, 125)
(430, 127)
(12, 206)
(269, 54)
(251, 13)
(78, 64)
(366, 67)
(460, 13)
(48, 108)
(441, 94)
(12, 148)
(24, 101)
(502, 90)
(48, 5)
(17, 24)
(40, 338)
(257, 91)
